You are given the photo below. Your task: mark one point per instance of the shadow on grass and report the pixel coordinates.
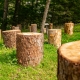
(8, 58)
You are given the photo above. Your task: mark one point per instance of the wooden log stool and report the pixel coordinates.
(9, 38)
(17, 27)
(46, 26)
(44, 30)
(54, 37)
(69, 61)
(50, 25)
(68, 28)
(33, 28)
(29, 48)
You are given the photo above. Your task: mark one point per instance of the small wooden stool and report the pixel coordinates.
(69, 61)
(68, 28)
(29, 48)
(54, 37)
(9, 38)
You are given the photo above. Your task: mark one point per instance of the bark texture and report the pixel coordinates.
(33, 28)
(54, 37)
(9, 38)
(69, 28)
(69, 61)
(29, 48)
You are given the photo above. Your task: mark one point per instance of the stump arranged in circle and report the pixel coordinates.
(15, 28)
(50, 25)
(9, 38)
(29, 48)
(33, 28)
(69, 61)
(68, 28)
(54, 37)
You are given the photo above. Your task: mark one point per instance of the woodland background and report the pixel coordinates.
(26, 12)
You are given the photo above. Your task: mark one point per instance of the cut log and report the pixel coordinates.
(15, 28)
(9, 38)
(54, 37)
(44, 30)
(51, 26)
(69, 61)
(68, 28)
(33, 27)
(47, 27)
(29, 48)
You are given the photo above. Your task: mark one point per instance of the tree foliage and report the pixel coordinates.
(31, 11)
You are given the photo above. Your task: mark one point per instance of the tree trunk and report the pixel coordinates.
(69, 61)
(16, 13)
(4, 23)
(45, 15)
(9, 38)
(29, 48)
(54, 37)
(69, 28)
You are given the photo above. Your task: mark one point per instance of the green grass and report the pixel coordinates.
(46, 70)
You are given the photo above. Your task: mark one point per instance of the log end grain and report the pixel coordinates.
(69, 61)
(71, 51)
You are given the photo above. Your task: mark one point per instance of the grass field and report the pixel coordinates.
(46, 70)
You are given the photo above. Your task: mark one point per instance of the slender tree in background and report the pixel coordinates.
(45, 15)
(4, 22)
(16, 13)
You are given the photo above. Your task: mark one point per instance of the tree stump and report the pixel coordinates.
(44, 30)
(33, 27)
(29, 48)
(19, 25)
(68, 28)
(15, 28)
(54, 37)
(9, 38)
(47, 27)
(69, 61)
(51, 26)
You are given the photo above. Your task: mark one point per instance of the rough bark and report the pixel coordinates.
(69, 61)
(9, 38)
(33, 28)
(45, 15)
(69, 28)
(54, 37)
(29, 48)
